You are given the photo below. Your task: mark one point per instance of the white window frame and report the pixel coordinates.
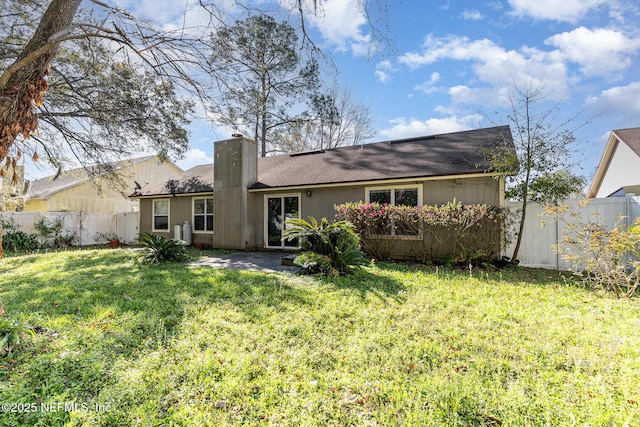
(367, 191)
(153, 215)
(193, 214)
(392, 189)
(266, 217)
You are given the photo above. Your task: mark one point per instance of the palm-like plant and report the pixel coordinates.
(337, 240)
(160, 249)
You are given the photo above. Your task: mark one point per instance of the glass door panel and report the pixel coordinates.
(279, 210)
(274, 221)
(290, 212)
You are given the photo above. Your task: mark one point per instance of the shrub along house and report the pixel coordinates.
(243, 201)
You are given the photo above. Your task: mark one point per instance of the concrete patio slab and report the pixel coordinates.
(267, 262)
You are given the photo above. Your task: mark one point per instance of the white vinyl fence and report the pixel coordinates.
(84, 225)
(538, 241)
(536, 249)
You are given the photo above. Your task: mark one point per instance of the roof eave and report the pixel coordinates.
(603, 165)
(153, 196)
(266, 188)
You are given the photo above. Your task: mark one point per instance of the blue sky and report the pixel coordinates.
(451, 62)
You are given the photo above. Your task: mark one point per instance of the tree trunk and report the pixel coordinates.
(514, 257)
(22, 84)
(263, 136)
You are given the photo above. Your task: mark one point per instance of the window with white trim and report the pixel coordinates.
(161, 215)
(400, 195)
(203, 214)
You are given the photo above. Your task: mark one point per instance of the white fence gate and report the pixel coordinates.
(538, 241)
(84, 225)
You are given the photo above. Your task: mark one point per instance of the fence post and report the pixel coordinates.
(80, 227)
(557, 239)
(628, 198)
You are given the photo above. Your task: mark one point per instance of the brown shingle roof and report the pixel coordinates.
(631, 137)
(438, 155)
(198, 179)
(455, 153)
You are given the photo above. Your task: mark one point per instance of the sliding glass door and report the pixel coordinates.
(279, 209)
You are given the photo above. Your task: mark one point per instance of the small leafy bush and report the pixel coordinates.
(159, 249)
(51, 233)
(314, 263)
(605, 258)
(15, 240)
(337, 241)
(18, 241)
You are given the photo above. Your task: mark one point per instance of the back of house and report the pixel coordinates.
(242, 201)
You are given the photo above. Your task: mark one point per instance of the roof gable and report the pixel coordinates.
(198, 179)
(45, 187)
(629, 137)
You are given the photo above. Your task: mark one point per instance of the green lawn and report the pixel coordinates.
(133, 344)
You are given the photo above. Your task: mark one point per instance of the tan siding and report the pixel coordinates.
(35, 205)
(86, 198)
(236, 168)
(152, 171)
(320, 204)
(180, 210)
(322, 201)
(466, 191)
(228, 219)
(146, 209)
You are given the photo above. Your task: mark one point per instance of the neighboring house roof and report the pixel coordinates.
(631, 138)
(45, 187)
(198, 179)
(452, 154)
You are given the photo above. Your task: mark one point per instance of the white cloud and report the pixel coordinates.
(383, 76)
(599, 51)
(453, 47)
(625, 12)
(162, 11)
(493, 66)
(563, 10)
(429, 86)
(341, 22)
(194, 157)
(403, 128)
(472, 15)
(385, 65)
(486, 96)
(621, 102)
(383, 71)
(186, 16)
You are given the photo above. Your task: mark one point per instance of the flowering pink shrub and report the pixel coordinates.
(455, 232)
